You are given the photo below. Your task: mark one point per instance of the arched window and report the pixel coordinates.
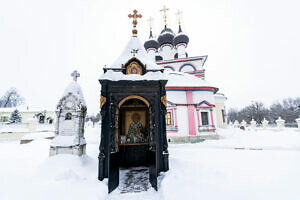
(187, 68)
(68, 116)
(169, 68)
(168, 118)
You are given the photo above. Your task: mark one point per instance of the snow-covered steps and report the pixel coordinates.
(134, 179)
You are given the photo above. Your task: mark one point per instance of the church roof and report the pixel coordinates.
(166, 36)
(151, 42)
(180, 37)
(74, 89)
(134, 48)
(181, 79)
(118, 76)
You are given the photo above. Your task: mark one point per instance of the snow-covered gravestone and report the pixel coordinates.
(244, 123)
(71, 112)
(298, 123)
(280, 123)
(236, 124)
(253, 124)
(265, 123)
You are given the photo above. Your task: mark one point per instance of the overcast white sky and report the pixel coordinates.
(252, 45)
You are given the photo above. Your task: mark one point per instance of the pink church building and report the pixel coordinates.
(194, 107)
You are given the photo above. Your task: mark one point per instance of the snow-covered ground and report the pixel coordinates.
(244, 165)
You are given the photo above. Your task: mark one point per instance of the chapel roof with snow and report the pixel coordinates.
(134, 63)
(134, 49)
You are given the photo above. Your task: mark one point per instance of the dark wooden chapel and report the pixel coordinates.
(133, 108)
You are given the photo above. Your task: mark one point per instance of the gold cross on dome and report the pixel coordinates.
(178, 14)
(164, 10)
(150, 20)
(134, 16)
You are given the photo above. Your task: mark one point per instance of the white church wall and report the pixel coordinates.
(198, 64)
(183, 124)
(176, 96)
(199, 96)
(151, 53)
(181, 51)
(166, 52)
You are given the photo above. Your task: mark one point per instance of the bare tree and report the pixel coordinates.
(288, 109)
(232, 114)
(11, 98)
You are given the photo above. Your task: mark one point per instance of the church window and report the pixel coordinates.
(68, 116)
(168, 118)
(41, 119)
(187, 68)
(204, 118)
(3, 119)
(169, 68)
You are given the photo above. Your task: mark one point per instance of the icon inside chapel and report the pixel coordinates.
(135, 128)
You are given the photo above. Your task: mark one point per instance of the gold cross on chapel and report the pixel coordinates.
(134, 16)
(164, 10)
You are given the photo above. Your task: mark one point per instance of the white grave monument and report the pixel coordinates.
(253, 124)
(236, 124)
(280, 123)
(244, 123)
(71, 112)
(265, 123)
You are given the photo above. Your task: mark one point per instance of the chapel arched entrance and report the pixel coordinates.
(134, 122)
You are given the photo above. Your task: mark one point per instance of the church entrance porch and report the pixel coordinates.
(133, 130)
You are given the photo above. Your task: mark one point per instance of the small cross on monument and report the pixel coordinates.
(75, 74)
(134, 16)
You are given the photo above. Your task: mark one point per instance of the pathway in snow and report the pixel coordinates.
(134, 180)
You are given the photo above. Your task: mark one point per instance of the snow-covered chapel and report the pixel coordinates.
(133, 109)
(194, 106)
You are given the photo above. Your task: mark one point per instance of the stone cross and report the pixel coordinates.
(164, 10)
(134, 16)
(75, 74)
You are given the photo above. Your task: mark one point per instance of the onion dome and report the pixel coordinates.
(180, 38)
(166, 36)
(151, 43)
